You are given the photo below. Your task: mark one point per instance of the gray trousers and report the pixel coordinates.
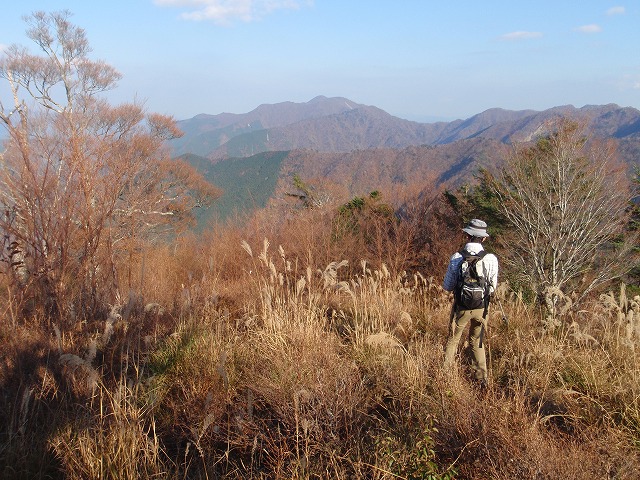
(478, 356)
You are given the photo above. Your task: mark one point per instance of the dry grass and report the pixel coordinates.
(236, 358)
(114, 438)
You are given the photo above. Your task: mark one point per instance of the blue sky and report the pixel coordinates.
(416, 59)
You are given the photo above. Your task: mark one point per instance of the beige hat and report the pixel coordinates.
(476, 228)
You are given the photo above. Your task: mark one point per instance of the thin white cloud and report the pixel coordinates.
(226, 11)
(520, 35)
(630, 81)
(592, 28)
(3, 47)
(616, 11)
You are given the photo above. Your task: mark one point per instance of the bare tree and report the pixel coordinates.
(81, 181)
(568, 200)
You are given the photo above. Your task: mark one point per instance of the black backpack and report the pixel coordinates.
(471, 290)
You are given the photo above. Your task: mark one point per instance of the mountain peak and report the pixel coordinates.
(337, 124)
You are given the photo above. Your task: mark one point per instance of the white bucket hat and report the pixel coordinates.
(476, 228)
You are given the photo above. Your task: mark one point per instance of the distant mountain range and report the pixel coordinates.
(362, 147)
(341, 125)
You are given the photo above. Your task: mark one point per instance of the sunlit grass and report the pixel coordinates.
(290, 369)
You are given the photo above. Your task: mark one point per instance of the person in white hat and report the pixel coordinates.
(463, 311)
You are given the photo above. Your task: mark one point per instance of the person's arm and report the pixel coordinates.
(490, 263)
(451, 277)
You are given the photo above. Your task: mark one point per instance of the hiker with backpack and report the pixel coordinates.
(472, 276)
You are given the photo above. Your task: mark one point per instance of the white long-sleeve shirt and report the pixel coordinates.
(489, 268)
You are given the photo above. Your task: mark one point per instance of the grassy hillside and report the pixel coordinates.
(241, 357)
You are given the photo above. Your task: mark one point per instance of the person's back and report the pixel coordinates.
(471, 289)
(472, 275)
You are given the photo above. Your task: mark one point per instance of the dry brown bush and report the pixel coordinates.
(83, 184)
